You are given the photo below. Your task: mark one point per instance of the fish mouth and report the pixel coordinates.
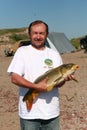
(73, 72)
(75, 67)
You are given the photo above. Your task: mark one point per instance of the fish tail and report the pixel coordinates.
(30, 99)
(29, 105)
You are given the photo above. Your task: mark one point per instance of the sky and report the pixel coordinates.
(63, 16)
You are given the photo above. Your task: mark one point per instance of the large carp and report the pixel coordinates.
(55, 77)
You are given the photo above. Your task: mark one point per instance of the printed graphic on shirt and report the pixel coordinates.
(48, 63)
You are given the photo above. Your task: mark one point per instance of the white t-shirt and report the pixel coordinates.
(30, 63)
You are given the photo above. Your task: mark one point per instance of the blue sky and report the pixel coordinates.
(65, 16)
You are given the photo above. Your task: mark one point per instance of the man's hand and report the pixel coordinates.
(70, 77)
(42, 86)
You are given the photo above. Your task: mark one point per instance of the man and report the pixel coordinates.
(28, 63)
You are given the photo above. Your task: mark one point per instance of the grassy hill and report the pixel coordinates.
(10, 36)
(75, 42)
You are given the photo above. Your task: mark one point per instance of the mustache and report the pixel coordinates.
(38, 39)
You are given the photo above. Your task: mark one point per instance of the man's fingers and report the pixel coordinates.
(70, 77)
(46, 79)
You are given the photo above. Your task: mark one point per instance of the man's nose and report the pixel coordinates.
(38, 36)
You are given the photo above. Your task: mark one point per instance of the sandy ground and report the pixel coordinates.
(73, 96)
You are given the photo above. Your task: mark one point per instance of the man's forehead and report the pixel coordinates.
(38, 27)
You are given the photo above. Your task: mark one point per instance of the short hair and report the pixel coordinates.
(38, 22)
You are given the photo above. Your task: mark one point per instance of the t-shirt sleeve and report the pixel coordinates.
(17, 63)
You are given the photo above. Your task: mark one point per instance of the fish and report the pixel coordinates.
(55, 76)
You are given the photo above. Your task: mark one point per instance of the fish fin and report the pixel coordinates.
(58, 79)
(73, 78)
(50, 87)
